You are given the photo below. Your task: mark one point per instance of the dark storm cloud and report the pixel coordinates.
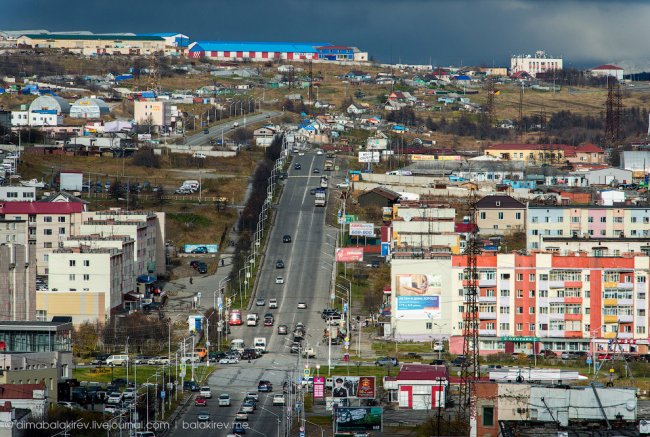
(414, 31)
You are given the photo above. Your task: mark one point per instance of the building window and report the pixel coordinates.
(504, 326)
(531, 277)
(531, 293)
(500, 216)
(520, 276)
(86, 277)
(560, 219)
(531, 310)
(518, 216)
(47, 231)
(72, 277)
(488, 416)
(590, 219)
(531, 327)
(47, 245)
(520, 310)
(505, 293)
(86, 263)
(461, 309)
(575, 219)
(41, 315)
(46, 257)
(429, 325)
(520, 293)
(504, 310)
(61, 231)
(482, 216)
(47, 219)
(61, 219)
(519, 327)
(72, 263)
(640, 329)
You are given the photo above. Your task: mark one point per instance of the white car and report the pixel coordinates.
(224, 400)
(253, 395)
(199, 155)
(278, 400)
(114, 398)
(343, 185)
(302, 305)
(241, 415)
(129, 393)
(73, 405)
(205, 391)
(228, 360)
(279, 280)
(301, 154)
(247, 408)
(273, 303)
(319, 152)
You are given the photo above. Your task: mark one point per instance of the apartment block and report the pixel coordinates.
(48, 223)
(526, 302)
(17, 272)
(499, 215)
(420, 224)
(152, 113)
(589, 221)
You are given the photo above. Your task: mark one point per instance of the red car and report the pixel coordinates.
(200, 401)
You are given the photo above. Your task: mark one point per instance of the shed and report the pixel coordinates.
(50, 104)
(89, 108)
(379, 197)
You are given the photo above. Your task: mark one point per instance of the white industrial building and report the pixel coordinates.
(608, 70)
(606, 176)
(535, 64)
(48, 110)
(89, 108)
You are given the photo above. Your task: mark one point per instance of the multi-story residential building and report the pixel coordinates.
(540, 62)
(539, 301)
(152, 113)
(17, 194)
(499, 215)
(145, 227)
(91, 45)
(430, 225)
(585, 221)
(17, 272)
(598, 247)
(547, 153)
(48, 223)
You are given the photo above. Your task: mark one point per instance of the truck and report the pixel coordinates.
(260, 344)
(308, 352)
(323, 181)
(203, 353)
(238, 345)
(329, 165)
(320, 198)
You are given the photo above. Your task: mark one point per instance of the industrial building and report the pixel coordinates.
(90, 45)
(535, 64)
(48, 110)
(89, 108)
(608, 70)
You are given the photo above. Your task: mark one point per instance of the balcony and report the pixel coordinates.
(577, 300)
(610, 284)
(556, 316)
(625, 335)
(488, 332)
(573, 334)
(640, 287)
(610, 302)
(625, 318)
(555, 300)
(556, 333)
(487, 315)
(577, 317)
(487, 283)
(610, 319)
(626, 285)
(625, 302)
(487, 299)
(555, 284)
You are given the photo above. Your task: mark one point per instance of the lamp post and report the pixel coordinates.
(439, 326)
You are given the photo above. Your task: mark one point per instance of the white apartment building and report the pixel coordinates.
(17, 194)
(151, 112)
(425, 226)
(540, 62)
(17, 272)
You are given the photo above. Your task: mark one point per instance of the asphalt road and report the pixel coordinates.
(307, 273)
(201, 138)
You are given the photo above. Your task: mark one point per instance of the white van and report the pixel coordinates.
(117, 360)
(260, 344)
(238, 345)
(200, 155)
(191, 184)
(191, 357)
(252, 319)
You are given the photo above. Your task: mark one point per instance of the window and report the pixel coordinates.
(505, 293)
(461, 309)
(47, 231)
(575, 219)
(603, 219)
(531, 293)
(520, 276)
(543, 293)
(543, 310)
(618, 219)
(500, 215)
(47, 245)
(504, 326)
(640, 329)
(71, 277)
(547, 219)
(520, 310)
(590, 219)
(535, 219)
(489, 325)
(518, 216)
(633, 219)
(86, 277)
(504, 310)
(61, 219)
(543, 277)
(47, 219)
(86, 263)
(488, 416)
(560, 219)
(46, 257)
(520, 293)
(640, 279)
(429, 325)
(531, 327)
(519, 327)
(482, 216)
(489, 292)
(531, 310)
(531, 277)
(61, 231)
(72, 263)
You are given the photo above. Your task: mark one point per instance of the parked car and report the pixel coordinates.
(229, 360)
(386, 361)
(200, 249)
(71, 405)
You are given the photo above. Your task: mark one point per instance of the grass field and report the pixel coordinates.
(140, 374)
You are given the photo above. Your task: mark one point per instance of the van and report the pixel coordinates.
(200, 155)
(260, 344)
(251, 320)
(191, 357)
(238, 345)
(117, 360)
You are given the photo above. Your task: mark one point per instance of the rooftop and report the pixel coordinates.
(33, 325)
(41, 207)
(94, 37)
(256, 46)
(499, 202)
(607, 67)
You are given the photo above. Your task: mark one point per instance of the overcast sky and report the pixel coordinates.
(449, 32)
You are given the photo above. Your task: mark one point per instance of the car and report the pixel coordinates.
(343, 185)
(191, 386)
(302, 305)
(286, 239)
(568, 356)
(238, 428)
(279, 264)
(206, 131)
(248, 407)
(72, 405)
(279, 280)
(142, 359)
(114, 398)
(458, 361)
(111, 409)
(214, 356)
(295, 347)
(437, 362)
(265, 386)
(229, 360)
(224, 400)
(546, 353)
(278, 400)
(241, 415)
(200, 249)
(268, 320)
(260, 302)
(100, 359)
(315, 170)
(253, 395)
(386, 361)
(319, 152)
(200, 401)
(202, 268)
(199, 155)
(414, 355)
(301, 153)
(194, 263)
(203, 416)
(297, 166)
(273, 303)
(129, 393)
(267, 116)
(206, 392)
(283, 329)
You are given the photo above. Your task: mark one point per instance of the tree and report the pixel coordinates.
(85, 339)
(160, 196)
(145, 157)
(242, 135)
(117, 190)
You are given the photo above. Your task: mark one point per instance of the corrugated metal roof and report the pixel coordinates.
(95, 37)
(244, 46)
(40, 207)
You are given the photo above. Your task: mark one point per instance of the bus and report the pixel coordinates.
(235, 318)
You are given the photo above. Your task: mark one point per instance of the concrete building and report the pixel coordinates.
(17, 194)
(526, 302)
(606, 176)
(500, 215)
(535, 64)
(638, 161)
(48, 110)
(152, 113)
(586, 221)
(417, 226)
(418, 387)
(92, 45)
(29, 396)
(608, 70)
(269, 51)
(12, 420)
(597, 247)
(48, 223)
(89, 108)
(17, 272)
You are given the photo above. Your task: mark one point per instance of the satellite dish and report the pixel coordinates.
(630, 405)
(407, 217)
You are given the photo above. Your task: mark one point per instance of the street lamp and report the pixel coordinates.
(439, 326)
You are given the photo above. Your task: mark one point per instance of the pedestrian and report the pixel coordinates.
(223, 262)
(191, 280)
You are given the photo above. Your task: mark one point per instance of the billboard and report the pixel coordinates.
(353, 387)
(358, 419)
(418, 296)
(360, 229)
(201, 248)
(319, 387)
(349, 254)
(369, 156)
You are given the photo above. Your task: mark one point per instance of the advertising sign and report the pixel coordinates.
(353, 387)
(369, 157)
(349, 254)
(144, 137)
(385, 249)
(418, 296)
(358, 419)
(319, 387)
(360, 229)
(201, 248)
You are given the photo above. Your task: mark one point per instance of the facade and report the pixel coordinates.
(17, 194)
(531, 153)
(152, 113)
(636, 160)
(254, 51)
(539, 301)
(33, 397)
(586, 221)
(17, 272)
(335, 53)
(48, 110)
(92, 45)
(433, 225)
(379, 197)
(606, 176)
(499, 215)
(19, 118)
(418, 387)
(535, 64)
(608, 70)
(48, 223)
(597, 247)
(89, 108)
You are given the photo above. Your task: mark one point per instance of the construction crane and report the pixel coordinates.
(470, 367)
(617, 354)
